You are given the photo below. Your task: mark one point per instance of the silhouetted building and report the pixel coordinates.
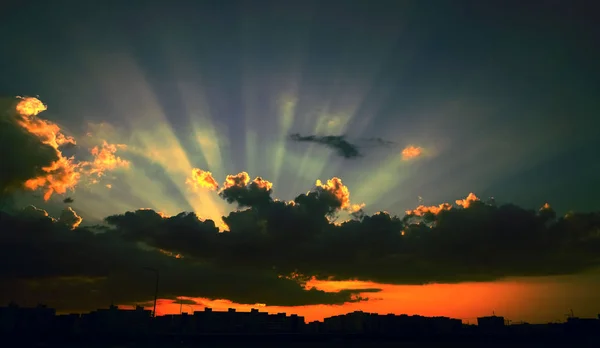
(27, 320)
(491, 325)
(115, 322)
(389, 324)
(582, 326)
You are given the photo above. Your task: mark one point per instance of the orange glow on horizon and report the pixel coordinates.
(464, 301)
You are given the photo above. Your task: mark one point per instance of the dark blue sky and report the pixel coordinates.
(503, 95)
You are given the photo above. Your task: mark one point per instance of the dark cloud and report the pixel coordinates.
(69, 218)
(467, 241)
(342, 146)
(335, 142)
(185, 301)
(239, 189)
(68, 200)
(270, 240)
(24, 154)
(42, 259)
(376, 141)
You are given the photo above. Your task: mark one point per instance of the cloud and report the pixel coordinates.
(104, 159)
(411, 152)
(336, 188)
(202, 179)
(185, 301)
(335, 142)
(343, 147)
(467, 241)
(61, 174)
(68, 200)
(69, 218)
(238, 188)
(36, 160)
(43, 259)
(423, 210)
(465, 203)
(34, 213)
(379, 141)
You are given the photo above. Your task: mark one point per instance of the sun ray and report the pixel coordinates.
(286, 114)
(207, 137)
(153, 137)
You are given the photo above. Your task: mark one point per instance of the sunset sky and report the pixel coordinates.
(312, 157)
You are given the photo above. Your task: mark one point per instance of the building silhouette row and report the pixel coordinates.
(44, 321)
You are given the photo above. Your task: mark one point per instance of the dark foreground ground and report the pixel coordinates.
(303, 341)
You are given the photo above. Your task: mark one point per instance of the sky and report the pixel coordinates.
(312, 157)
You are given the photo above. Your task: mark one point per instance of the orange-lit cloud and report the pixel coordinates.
(61, 174)
(262, 183)
(411, 152)
(169, 253)
(356, 207)
(240, 180)
(104, 159)
(465, 203)
(30, 106)
(70, 218)
(34, 212)
(337, 189)
(202, 179)
(434, 209)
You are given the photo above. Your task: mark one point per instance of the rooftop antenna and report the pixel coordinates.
(570, 314)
